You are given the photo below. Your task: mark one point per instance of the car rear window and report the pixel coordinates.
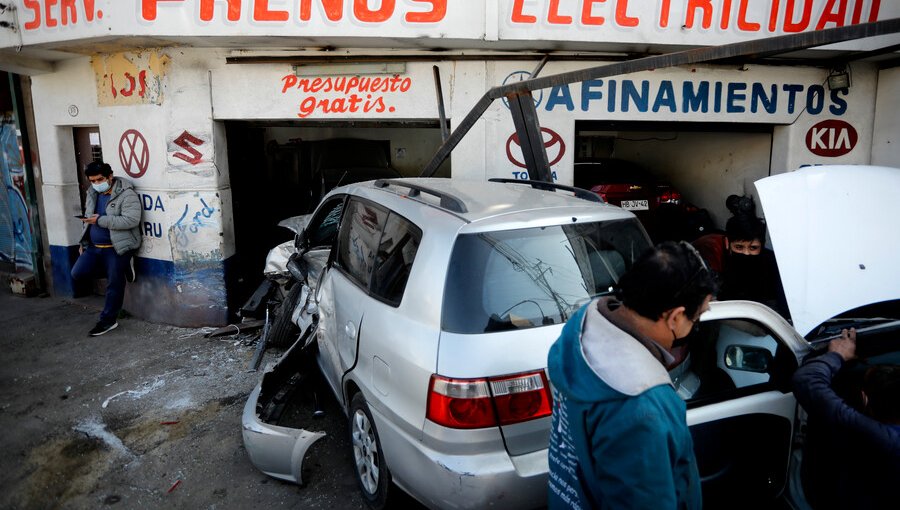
(533, 277)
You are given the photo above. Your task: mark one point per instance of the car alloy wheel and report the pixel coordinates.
(365, 451)
(371, 471)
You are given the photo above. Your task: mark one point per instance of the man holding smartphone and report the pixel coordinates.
(112, 215)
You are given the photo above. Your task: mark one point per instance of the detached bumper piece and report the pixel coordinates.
(276, 450)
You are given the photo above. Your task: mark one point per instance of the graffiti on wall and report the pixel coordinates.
(181, 226)
(195, 231)
(15, 226)
(130, 78)
(345, 94)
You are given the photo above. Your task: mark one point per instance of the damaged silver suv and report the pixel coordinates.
(431, 306)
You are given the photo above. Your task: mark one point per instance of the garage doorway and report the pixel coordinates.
(704, 162)
(276, 172)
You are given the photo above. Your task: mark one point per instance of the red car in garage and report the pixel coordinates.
(659, 206)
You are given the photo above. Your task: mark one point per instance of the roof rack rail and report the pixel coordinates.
(448, 201)
(552, 186)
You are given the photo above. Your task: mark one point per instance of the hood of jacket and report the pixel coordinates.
(594, 360)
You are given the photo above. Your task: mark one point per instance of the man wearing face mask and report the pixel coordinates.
(749, 268)
(619, 437)
(112, 213)
(745, 268)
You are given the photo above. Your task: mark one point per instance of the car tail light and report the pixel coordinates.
(480, 403)
(669, 196)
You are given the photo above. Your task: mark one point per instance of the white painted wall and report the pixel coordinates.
(886, 141)
(790, 150)
(71, 85)
(168, 180)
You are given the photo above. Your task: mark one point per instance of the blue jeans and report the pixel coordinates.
(98, 262)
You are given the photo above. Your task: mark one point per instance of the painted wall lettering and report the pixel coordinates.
(129, 78)
(54, 13)
(130, 84)
(196, 217)
(273, 11)
(744, 16)
(688, 97)
(345, 94)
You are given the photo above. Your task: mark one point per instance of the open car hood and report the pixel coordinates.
(835, 231)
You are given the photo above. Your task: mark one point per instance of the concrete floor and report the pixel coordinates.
(146, 416)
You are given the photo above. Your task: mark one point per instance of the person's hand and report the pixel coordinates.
(92, 220)
(81, 249)
(845, 346)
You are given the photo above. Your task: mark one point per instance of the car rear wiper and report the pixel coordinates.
(878, 328)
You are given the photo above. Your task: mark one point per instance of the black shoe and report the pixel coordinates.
(130, 275)
(101, 328)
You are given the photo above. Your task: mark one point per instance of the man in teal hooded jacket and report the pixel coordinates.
(619, 438)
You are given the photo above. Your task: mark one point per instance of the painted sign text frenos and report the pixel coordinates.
(412, 11)
(831, 138)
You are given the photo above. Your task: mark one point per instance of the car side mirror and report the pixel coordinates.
(298, 267)
(301, 241)
(748, 358)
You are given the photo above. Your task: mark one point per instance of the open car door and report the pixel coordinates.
(741, 410)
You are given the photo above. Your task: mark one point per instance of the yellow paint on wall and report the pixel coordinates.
(130, 78)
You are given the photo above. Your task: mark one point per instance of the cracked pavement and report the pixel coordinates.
(147, 415)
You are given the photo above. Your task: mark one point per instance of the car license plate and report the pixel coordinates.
(635, 205)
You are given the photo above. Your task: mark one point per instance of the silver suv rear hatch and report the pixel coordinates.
(508, 294)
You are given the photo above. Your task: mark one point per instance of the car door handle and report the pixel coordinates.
(350, 330)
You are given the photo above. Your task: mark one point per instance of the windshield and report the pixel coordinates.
(534, 277)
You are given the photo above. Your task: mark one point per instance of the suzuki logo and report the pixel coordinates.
(831, 138)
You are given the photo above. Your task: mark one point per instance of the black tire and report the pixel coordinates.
(283, 332)
(372, 474)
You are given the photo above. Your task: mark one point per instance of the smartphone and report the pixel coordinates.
(81, 216)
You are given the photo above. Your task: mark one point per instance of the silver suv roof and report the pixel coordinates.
(475, 201)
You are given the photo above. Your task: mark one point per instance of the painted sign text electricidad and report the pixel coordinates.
(740, 15)
(704, 96)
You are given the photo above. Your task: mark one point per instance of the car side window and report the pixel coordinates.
(358, 240)
(393, 262)
(728, 358)
(323, 228)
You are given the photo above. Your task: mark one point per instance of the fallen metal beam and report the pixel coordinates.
(769, 46)
(528, 131)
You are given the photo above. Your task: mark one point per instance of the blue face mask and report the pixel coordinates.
(102, 187)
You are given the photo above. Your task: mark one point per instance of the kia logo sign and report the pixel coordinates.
(831, 138)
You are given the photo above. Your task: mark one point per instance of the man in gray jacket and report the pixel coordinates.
(112, 213)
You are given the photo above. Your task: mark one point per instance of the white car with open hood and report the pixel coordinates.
(409, 373)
